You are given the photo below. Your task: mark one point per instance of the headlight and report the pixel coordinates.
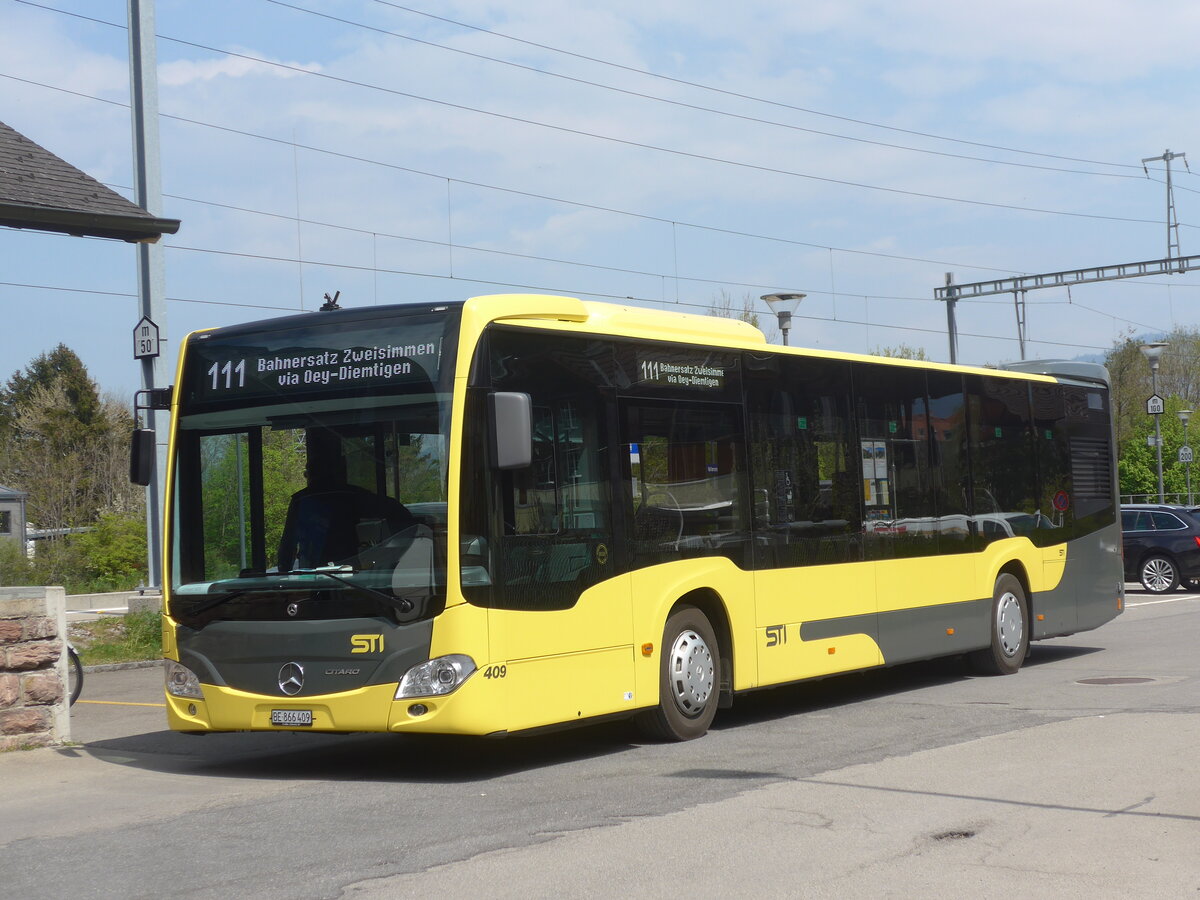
(438, 676)
(181, 681)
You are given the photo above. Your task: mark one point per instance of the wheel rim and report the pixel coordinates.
(1158, 574)
(1010, 624)
(691, 669)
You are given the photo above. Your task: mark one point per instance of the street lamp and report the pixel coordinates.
(1153, 352)
(783, 305)
(1185, 452)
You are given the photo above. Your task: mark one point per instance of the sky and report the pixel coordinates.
(667, 154)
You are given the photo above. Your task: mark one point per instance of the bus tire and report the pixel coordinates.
(1009, 627)
(689, 680)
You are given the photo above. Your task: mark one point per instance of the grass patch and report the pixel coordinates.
(113, 639)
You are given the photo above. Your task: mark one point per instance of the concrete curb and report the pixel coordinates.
(118, 667)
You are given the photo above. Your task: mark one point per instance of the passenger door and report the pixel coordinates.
(561, 610)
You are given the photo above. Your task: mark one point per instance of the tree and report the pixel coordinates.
(901, 351)
(61, 367)
(114, 492)
(67, 447)
(64, 444)
(48, 457)
(724, 307)
(1178, 384)
(1178, 376)
(1137, 464)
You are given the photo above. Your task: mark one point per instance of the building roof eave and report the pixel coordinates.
(132, 228)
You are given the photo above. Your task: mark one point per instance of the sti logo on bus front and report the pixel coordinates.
(366, 643)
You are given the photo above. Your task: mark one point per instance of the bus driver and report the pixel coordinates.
(331, 521)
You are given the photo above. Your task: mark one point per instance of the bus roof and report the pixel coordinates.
(623, 320)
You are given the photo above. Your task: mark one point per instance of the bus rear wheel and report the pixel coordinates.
(689, 679)
(1009, 628)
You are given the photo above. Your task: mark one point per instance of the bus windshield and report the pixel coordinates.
(311, 474)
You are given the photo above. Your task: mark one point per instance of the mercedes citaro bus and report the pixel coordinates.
(523, 511)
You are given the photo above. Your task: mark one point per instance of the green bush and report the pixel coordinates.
(15, 567)
(112, 556)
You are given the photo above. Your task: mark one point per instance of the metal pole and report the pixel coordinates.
(1019, 304)
(1170, 200)
(1185, 452)
(1157, 432)
(1187, 466)
(951, 324)
(143, 89)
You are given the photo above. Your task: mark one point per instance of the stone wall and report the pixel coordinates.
(33, 667)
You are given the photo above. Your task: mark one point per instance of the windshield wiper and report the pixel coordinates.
(400, 604)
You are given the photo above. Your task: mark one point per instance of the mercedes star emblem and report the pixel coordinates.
(291, 678)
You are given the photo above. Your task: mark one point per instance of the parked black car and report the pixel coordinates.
(1162, 546)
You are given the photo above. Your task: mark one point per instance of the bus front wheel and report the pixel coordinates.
(689, 679)
(1009, 629)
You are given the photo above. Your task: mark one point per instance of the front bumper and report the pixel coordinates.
(468, 710)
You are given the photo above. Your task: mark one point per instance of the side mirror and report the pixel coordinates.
(510, 417)
(141, 456)
(142, 451)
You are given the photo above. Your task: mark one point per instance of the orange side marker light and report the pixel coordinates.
(647, 649)
(950, 631)
(832, 650)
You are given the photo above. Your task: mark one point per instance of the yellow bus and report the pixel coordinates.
(523, 511)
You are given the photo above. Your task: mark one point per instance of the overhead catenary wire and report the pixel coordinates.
(580, 204)
(482, 185)
(691, 106)
(579, 132)
(663, 77)
(743, 96)
(581, 263)
(731, 282)
(516, 191)
(292, 309)
(725, 281)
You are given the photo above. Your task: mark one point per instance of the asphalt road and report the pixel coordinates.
(920, 779)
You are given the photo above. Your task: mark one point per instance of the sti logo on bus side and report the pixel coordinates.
(366, 643)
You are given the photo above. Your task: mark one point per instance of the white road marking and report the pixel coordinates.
(1129, 605)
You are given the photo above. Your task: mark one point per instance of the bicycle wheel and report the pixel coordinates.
(74, 674)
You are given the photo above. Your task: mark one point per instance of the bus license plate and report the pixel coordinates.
(291, 717)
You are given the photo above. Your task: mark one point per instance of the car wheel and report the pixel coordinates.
(1159, 575)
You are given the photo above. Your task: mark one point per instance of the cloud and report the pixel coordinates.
(184, 72)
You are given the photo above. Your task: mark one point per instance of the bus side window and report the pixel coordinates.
(893, 426)
(687, 481)
(808, 492)
(1003, 457)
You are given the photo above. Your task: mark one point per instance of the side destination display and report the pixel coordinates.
(273, 365)
(680, 370)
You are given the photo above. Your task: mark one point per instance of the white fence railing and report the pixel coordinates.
(1178, 499)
